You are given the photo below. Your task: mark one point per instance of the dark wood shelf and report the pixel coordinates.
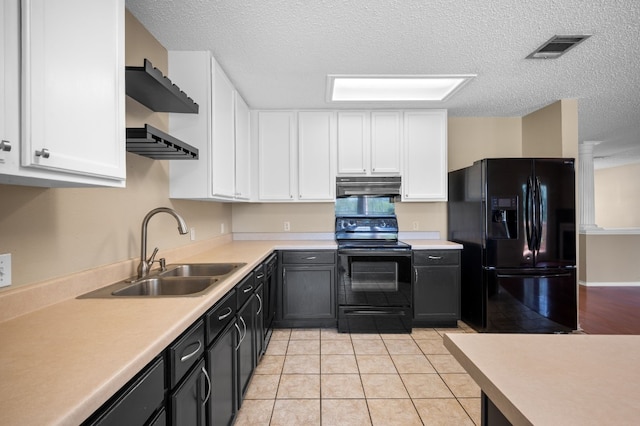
(154, 143)
(152, 89)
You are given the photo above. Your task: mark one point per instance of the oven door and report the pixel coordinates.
(374, 291)
(374, 278)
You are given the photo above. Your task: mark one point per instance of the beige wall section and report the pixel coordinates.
(270, 217)
(611, 259)
(430, 217)
(617, 196)
(475, 138)
(542, 132)
(56, 232)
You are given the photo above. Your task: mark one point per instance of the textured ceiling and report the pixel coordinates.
(278, 53)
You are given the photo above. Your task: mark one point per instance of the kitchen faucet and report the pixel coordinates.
(145, 264)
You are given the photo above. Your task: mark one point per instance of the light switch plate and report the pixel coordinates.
(5, 269)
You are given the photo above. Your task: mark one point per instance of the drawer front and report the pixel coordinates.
(309, 257)
(244, 290)
(436, 257)
(259, 274)
(220, 315)
(185, 352)
(138, 400)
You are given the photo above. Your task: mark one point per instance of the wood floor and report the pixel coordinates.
(609, 310)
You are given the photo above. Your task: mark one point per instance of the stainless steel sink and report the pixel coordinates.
(167, 287)
(201, 269)
(179, 280)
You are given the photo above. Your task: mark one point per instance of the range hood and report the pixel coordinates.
(368, 185)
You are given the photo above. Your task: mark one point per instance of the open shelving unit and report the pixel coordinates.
(152, 89)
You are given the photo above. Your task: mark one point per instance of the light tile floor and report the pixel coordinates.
(322, 377)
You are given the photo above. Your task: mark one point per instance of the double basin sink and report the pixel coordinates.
(189, 279)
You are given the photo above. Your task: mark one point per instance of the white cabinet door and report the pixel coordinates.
(9, 87)
(243, 157)
(353, 142)
(191, 71)
(223, 143)
(424, 175)
(276, 155)
(316, 154)
(386, 142)
(73, 87)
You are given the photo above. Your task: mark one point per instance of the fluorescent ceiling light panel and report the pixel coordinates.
(393, 88)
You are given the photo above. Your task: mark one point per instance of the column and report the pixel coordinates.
(586, 186)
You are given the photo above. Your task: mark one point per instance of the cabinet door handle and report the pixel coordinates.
(206, 375)
(44, 153)
(259, 300)
(192, 354)
(248, 289)
(239, 335)
(415, 271)
(226, 314)
(5, 146)
(244, 325)
(435, 257)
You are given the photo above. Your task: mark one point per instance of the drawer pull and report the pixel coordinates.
(248, 289)
(259, 277)
(435, 257)
(311, 258)
(192, 354)
(226, 314)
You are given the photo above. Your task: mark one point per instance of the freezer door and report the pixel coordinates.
(507, 226)
(530, 302)
(554, 182)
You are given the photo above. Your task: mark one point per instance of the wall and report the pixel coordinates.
(56, 232)
(610, 259)
(617, 196)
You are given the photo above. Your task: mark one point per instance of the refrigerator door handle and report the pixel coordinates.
(538, 216)
(527, 213)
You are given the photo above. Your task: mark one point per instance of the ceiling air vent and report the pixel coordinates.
(557, 46)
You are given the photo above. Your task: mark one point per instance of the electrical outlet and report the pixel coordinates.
(5, 269)
(222, 228)
(416, 225)
(192, 234)
(287, 226)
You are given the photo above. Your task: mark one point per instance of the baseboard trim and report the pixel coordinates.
(610, 284)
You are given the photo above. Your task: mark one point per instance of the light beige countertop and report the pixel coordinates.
(432, 244)
(568, 379)
(60, 363)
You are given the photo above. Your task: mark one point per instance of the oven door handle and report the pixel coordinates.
(356, 312)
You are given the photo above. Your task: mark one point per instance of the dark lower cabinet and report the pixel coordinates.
(189, 400)
(307, 290)
(436, 288)
(221, 363)
(259, 324)
(246, 346)
(137, 401)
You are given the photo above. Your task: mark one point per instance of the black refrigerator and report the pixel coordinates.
(516, 220)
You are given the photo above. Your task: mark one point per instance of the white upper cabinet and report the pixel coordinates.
(223, 144)
(369, 143)
(243, 150)
(316, 153)
(220, 131)
(276, 155)
(72, 93)
(424, 176)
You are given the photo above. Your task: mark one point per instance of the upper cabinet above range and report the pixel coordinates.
(369, 142)
(63, 93)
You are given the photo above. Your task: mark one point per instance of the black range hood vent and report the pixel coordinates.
(152, 89)
(153, 143)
